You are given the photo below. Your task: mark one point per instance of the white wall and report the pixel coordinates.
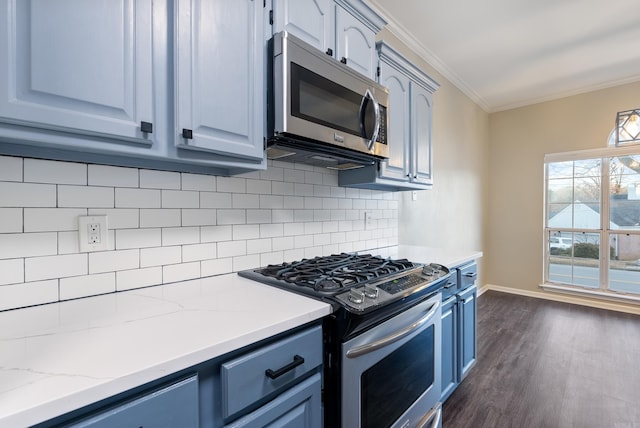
(170, 226)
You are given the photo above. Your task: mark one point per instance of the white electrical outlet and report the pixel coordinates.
(92, 232)
(368, 220)
(414, 195)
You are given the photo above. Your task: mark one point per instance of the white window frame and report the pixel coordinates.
(605, 232)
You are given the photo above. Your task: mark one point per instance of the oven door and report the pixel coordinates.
(391, 373)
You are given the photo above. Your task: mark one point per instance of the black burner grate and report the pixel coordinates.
(335, 272)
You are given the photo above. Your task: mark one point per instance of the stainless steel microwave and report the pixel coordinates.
(320, 111)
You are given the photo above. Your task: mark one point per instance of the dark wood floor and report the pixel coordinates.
(549, 364)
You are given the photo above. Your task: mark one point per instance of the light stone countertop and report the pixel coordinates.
(60, 357)
(446, 257)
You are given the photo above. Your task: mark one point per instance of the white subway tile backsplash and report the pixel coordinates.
(138, 238)
(215, 200)
(68, 243)
(150, 179)
(88, 285)
(27, 195)
(273, 230)
(197, 252)
(199, 217)
(232, 185)
(180, 199)
(180, 236)
(11, 220)
(160, 256)
(258, 216)
(217, 266)
(216, 233)
(168, 226)
(232, 248)
(156, 217)
(180, 272)
(12, 271)
(50, 267)
(137, 198)
(256, 246)
(246, 262)
(10, 168)
(241, 200)
(226, 216)
(52, 219)
(119, 218)
(138, 278)
(112, 176)
(14, 245)
(206, 183)
(107, 261)
(260, 187)
(54, 172)
(33, 293)
(246, 231)
(85, 196)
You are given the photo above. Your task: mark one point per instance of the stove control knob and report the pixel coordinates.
(371, 291)
(356, 296)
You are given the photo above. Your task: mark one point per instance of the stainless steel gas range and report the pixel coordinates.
(382, 341)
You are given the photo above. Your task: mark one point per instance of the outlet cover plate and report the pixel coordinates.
(92, 233)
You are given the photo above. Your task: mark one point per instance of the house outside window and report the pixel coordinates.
(592, 222)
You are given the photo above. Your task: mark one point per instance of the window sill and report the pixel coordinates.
(585, 292)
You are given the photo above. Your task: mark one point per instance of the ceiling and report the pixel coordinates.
(509, 53)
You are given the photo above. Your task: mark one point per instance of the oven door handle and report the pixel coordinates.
(434, 414)
(394, 337)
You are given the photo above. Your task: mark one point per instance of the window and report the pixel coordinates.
(592, 222)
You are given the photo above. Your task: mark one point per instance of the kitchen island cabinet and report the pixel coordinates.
(344, 29)
(145, 84)
(98, 353)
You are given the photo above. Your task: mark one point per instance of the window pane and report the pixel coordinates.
(560, 215)
(560, 170)
(574, 258)
(625, 193)
(560, 190)
(624, 267)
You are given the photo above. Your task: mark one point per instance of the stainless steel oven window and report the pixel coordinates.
(391, 373)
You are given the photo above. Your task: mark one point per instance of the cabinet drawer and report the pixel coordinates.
(450, 287)
(173, 406)
(467, 275)
(253, 376)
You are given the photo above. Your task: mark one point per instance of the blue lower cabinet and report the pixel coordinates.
(449, 376)
(299, 407)
(173, 406)
(467, 339)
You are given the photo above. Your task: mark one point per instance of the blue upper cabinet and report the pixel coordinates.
(166, 84)
(345, 29)
(219, 78)
(421, 117)
(78, 66)
(310, 20)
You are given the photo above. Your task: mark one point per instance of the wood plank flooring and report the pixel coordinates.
(549, 364)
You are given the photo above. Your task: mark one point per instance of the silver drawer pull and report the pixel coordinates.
(297, 361)
(471, 274)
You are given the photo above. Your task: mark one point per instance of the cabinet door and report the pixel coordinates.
(309, 20)
(173, 406)
(467, 334)
(298, 407)
(78, 66)
(397, 166)
(219, 77)
(355, 44)
(449, 378)
(421, 118)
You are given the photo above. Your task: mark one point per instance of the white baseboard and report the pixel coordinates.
(562, 297)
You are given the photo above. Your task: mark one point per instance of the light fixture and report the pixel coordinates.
(628, 127)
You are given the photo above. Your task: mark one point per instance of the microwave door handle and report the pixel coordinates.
(376, 113)
(394, 337)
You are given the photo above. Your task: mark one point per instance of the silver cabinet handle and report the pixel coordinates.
(471, 274)
(434, 414)
(394, 337)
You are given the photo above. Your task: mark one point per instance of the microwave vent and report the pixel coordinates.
(274, 153)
